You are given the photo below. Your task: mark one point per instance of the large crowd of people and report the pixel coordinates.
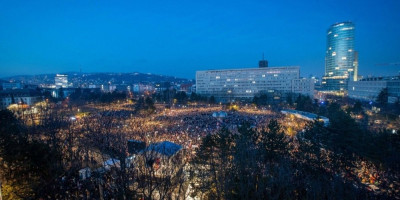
(185, 125)
(94, 133)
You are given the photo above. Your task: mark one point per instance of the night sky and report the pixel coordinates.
(179, 38)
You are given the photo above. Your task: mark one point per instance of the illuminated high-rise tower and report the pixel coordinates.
(341, 60)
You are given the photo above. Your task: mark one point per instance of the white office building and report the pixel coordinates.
(303, 86)
(140, 88)
(229, 84)
(368, 89)
(19, 96)
(61, 80)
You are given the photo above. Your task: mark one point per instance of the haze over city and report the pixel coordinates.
(178, 38)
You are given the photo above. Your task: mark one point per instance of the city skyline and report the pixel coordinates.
(178, 39)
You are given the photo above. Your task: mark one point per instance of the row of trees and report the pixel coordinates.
(171, 96)
(82, 96)
(41, 161)
(145, 106)
(26, 164)
(319, 163)
(266, 165)
(303, 102)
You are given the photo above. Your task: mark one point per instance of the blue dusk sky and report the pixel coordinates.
(179, 37)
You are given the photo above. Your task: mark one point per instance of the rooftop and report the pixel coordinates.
(260, 69)
(166, 148)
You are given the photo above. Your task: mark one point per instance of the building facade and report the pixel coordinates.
(263, 63)
(185, 87)
(61, 80)
(19, 97)
(341, 64)
(303, 86)
(368, 89)
(230, 84)
(394, 90)
(140, 88)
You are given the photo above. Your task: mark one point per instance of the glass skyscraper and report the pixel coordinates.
(341, 63)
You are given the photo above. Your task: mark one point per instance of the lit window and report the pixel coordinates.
(330, 73)
(228, 79)
(335, 35)
(330, 48)
(253, 82)
(344, 58)
(336, 68)
(263, 75)
(350, 50)
(275, 75)
(354, 88)
(217, 77)
(333, 53)
(347, 28)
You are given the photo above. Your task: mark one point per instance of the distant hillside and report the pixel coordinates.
(98, 78)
